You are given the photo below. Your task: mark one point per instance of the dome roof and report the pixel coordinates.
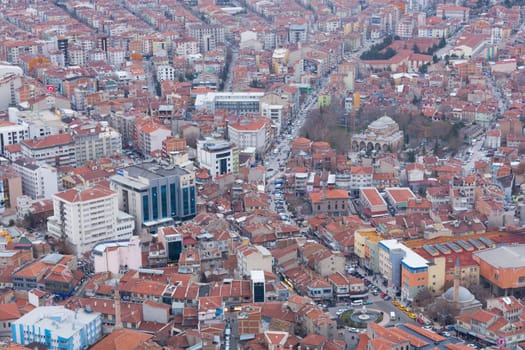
(381, 123)
(465, 296)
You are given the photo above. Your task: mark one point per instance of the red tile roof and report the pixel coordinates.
(78, 195)
(317, 197)
(373, 196)
(49, 141)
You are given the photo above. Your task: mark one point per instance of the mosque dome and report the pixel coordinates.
(465, 296)
(385, 122)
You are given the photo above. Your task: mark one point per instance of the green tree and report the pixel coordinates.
(442, 42)
(416, 49)
(411, 156)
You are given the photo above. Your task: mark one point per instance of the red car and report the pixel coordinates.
(383, 295)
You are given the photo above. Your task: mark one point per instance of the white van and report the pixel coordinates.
(358, 302)
(392, 315)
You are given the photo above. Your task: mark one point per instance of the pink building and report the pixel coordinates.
(118, 257)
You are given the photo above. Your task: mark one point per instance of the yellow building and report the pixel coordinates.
(324, 100)
(366, 247)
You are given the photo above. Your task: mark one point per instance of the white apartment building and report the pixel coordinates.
(40, 122)
(39, 181)
(76, 55)
(233, 102)
(186, 47)
(116, 56)
(249, 133)
(55, 150)
(361, 176)
(9, 84)
(151, 137)
(207, 35)
(253, 257)
(94, 141)
(273, 112)
(96, 55)
(218, 156)
(165, 72)
(11, 133)
(89, 216)
(405, 28)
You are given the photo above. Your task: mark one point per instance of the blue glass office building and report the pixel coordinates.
(156, 195)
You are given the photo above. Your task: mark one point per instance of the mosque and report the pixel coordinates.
(382, 134)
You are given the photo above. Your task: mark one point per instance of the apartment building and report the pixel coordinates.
(39, 180)
(89, 216)
(11, 133)
(253, 257)
(94, 141)
(250, 133)
(55, 150)
(150, 137)
(166, 72)
(237, 103)
(208, 36)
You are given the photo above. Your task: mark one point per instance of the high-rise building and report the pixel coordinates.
(86, 217)
(155, 195)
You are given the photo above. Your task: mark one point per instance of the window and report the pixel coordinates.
(521, 279)
(173, 201)
(155, 203)
(164, 201)
(145, 207)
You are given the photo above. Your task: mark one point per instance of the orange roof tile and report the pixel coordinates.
(122, 339)
(49, 141)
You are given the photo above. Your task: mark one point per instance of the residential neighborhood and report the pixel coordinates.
(253, 174)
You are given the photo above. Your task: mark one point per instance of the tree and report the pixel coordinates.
(411, 157)
(31, 221)
(443, 312)
(423, 298)
(481, 293)
(442, 42)
(423, 69)
(435, 59)
(416, 49)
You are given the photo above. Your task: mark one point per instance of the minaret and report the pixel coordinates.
(118, 319)
(457, 276)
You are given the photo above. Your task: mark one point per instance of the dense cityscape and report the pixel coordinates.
(262, 174)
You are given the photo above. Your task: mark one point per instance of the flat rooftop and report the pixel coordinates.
(504, 256)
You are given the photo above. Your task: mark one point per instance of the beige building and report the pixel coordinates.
(382, 134)
(327, 262)
(253, 257)
(330, 202)
(366, 247)
(314, 321)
